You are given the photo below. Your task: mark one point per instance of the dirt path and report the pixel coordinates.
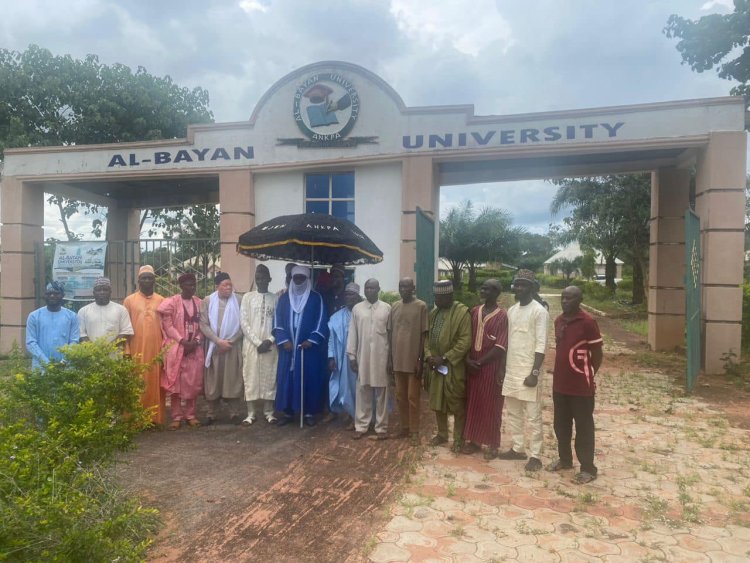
(282, 494)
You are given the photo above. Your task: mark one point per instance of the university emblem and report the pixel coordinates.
(326, 108)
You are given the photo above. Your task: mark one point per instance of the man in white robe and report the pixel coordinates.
(368, 351)
(260, 355)
(522, 386)
(104, 318)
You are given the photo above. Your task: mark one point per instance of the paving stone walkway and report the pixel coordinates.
(674, 485)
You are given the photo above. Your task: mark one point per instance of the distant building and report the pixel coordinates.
(573, 251)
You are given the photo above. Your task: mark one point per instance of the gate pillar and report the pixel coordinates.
(418, 189)
(670, 192)
(237, 208)
(22, 216)
(720, 203)
(123, 225)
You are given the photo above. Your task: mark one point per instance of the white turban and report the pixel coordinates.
(298, 294)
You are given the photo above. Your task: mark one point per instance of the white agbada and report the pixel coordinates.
(527, 335)
(368, 342)
(258, 370)
(104, 321)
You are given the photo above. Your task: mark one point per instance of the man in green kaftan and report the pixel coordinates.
(447, 344)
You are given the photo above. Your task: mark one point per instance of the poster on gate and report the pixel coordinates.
(77, 265)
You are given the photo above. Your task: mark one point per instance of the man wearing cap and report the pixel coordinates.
(259, 353)
(220, 324)
(145, 344)
(182, 377)
(447, 344)
(334, 298)
(578, 356)
(342, 386)
(367, 349)
(103, 318)
(527, 343)
(50, 328)
(301, 330)
(407, 331)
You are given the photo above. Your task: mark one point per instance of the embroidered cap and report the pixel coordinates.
(525, 275)
(442, 287)
(352, 288)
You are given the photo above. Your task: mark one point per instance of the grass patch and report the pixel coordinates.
(637, 326)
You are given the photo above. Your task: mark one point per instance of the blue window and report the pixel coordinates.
(330, 193)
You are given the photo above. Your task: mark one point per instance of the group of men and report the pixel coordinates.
(303, 353)
(484, 360)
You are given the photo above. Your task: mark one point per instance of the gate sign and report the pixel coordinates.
(78, 265)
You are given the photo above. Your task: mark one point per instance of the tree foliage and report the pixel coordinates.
(534, 249)
(49, 99)
(469, 238)
(611, 214)
(716, 40)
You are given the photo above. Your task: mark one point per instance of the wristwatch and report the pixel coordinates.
(535, 372)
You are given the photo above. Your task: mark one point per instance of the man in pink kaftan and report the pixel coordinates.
(182, 376)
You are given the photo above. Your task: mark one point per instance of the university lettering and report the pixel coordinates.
(522, 136)
(182, 155)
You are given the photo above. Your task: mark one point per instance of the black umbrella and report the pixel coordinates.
(313, 238)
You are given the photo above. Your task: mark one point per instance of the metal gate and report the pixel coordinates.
(169, 257)
(425, 264)
(692, 296)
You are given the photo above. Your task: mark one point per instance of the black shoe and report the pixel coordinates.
(236, 419)
(209, 421)
(283, 421)
(511, 454)
(437, 440)
(534, 464)
(559, 465)
(310, 421)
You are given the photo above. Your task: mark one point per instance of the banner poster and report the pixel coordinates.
(78, 265)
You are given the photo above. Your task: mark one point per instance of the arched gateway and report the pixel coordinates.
(333, 137)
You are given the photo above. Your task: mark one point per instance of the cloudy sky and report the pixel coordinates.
(503, 56)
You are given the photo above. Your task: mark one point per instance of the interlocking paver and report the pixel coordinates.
(673, 485)
(387, 552)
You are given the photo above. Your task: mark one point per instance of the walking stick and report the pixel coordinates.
(302, 388)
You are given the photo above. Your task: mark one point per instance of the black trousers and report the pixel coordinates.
(569, 408)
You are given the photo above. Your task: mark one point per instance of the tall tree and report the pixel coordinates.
(469, 238)
(48, 99)
(716, 40)
(611, 214)
(534, 250)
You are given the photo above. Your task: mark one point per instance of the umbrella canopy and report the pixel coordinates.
(312, 238)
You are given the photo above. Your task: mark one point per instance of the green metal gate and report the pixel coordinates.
(693, 296)
(425, 264)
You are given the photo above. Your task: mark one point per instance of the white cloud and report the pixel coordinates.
(251, 6)
(468, 27)
(725, 4)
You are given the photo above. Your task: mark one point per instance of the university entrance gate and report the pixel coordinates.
(333, 137)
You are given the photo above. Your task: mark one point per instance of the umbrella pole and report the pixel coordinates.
(302, 389)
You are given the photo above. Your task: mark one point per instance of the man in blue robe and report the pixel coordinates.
(301, 331)
(50, 328)
(342, 386)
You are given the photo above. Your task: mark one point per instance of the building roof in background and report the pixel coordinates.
(573, 251)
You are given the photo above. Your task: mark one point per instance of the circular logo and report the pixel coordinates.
(326, 106)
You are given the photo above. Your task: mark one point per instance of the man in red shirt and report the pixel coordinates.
(577, 359)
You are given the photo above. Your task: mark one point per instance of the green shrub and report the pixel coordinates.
(467, 298)
(58, 431)
(625, 285)
(746, 315)
(390, 297)
(555, 282)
